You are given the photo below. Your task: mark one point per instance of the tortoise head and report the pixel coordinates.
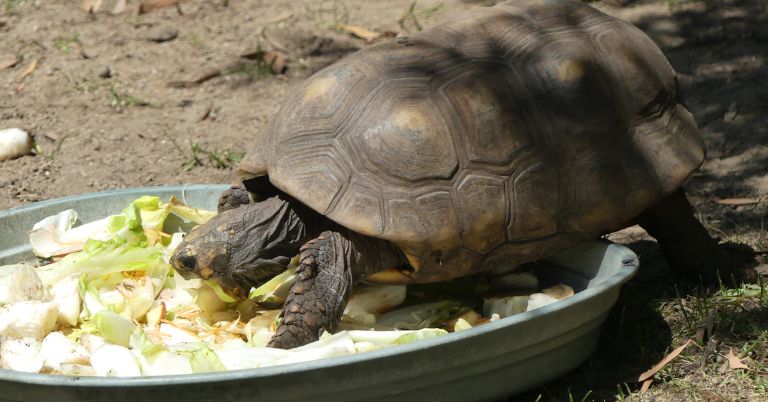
(242, 247)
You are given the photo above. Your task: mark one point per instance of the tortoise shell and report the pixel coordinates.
(493, 139)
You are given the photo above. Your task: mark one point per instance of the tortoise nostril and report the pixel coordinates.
(186, 260)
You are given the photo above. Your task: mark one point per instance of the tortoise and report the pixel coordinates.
(497, 138)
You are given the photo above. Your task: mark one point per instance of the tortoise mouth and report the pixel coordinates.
(238, 283)
(229, 286)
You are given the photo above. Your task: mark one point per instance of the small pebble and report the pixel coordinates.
(162, 34)
(105, 72)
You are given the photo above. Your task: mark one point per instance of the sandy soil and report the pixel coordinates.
(105, 114)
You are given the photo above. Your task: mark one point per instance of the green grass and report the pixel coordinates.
(122, 101)
(220, 159)
(251, 69)
(11, 7)
(430, 11)
(66, 44)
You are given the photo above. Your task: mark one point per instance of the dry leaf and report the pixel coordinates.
(655, 369)
(360, 32)
(734, 362)
(27, 72)
(275, 59)
(152, 5)
(738, 201)
(8, 61)
(646, 386)
(91, 6)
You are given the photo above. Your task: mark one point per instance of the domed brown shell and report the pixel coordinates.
(493, 139)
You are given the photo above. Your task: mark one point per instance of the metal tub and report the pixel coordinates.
(482, 363)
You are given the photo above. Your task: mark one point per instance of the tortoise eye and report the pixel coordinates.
(185, 260)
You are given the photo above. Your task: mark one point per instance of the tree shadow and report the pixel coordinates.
(723, 72)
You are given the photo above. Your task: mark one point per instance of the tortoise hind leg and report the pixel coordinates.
(685, 243)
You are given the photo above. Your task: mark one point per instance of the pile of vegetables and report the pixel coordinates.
(103, 300)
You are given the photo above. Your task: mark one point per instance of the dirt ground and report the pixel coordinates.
(107, 110)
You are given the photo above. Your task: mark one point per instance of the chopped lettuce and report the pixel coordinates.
(190, 214)
(424, 333)
(274, 291)
(102, 258)
(201, 358)
(156, 359)
(114, 328)
(422, 315)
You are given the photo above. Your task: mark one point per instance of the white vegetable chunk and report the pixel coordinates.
(58, 349)
(549, 296)
(67, 297)
(91, 342)
(21, 355)
(505, 306)
(48, 236)
(55, 236)
(163, 363)
(538, 300)
(247, 357)
(114, 361)
(28, 319)
(23, 285)
(75, 370)
(173, 335)
(338, 344)
(367, 301)
(14, 142)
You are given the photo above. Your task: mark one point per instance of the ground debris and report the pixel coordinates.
(365, 34)
(738, 201)
(8, 61)
(666, 360)
(251, 62)
(274, 59)
(734, 362)
(162, 34)
(152, 5)
(30, 69)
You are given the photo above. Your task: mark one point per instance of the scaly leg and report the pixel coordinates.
(330, 264)
(686, 243)
(233, 197)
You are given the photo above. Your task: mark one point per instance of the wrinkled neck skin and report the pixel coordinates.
(270, 234)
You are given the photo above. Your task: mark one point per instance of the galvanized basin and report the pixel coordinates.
(483, 363)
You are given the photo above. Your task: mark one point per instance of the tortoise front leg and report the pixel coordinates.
(233, 197)
(685, 242)
(329, 266)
